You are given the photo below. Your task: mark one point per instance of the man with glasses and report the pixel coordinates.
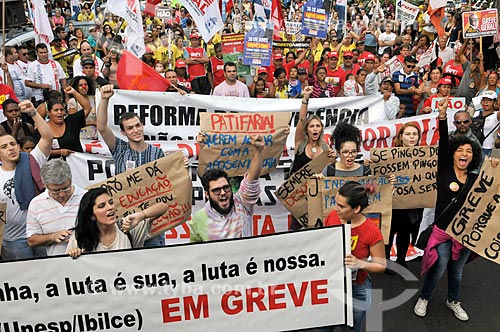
(406, 85)
(473, 24)
(231, 86)
(348, 67)
(462, 121)
(52, 214)
(227, 215)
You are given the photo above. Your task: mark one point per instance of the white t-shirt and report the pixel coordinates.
(78, 70)
(45, 73)
(46, 215)
(18, 72)
(385, 37)
(489, 123)
(237, 90)
(15, 228)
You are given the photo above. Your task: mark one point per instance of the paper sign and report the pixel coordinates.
(321, 200)
(477, 223)
(315, 18)
(165, 180)
(480, 23)
(415, 170)
(454, 104)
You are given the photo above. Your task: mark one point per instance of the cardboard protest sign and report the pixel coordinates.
(477, 224)
(415, 170)
(164, 180)
(293, 192)
(480, 23)
(280, 282)
(3, 221)
(227, 144)
(321, 200)
(454, 104)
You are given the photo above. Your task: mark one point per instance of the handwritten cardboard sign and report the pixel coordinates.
(3, 221)
(477, 223)
(164, 180)
(415, 170)
(293, 192)
(227, 144)
(321, 200)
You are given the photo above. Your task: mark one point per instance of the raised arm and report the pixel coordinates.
(256, 164)
(86, 108)
(46, 136)
(102, 117)
(152, 212)
(299, 131)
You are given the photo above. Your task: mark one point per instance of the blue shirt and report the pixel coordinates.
(406, 82)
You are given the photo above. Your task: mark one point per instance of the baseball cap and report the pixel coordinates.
(300, 50)
(194, 35)
(262, 70)
(57, 40)
(87, 61)
(410, 58)
(347, 53)
(370, 56)
(332, 54)
(301, 71)
(489, 94)
(387, 79)
(360, 42)
(72, 38)
(180, 64)
(278, 57)
(445, 81)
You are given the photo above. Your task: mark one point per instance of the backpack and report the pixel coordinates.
(477, 127)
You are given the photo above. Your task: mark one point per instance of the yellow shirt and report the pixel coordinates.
(343, 49)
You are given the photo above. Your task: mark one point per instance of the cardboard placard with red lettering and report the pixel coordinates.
(3, 221)
(415, 170)
(293, 192)
(281, 282)
(480, 23)
(227, 144)
(477, 224)
(164, 180)
(321, 200)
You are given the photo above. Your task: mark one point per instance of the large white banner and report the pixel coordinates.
(275, 283)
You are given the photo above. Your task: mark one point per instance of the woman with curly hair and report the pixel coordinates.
(85, 86)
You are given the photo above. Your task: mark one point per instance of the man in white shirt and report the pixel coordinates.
(231, 86)
(86, 49)
(19, 183)
(52, 214)
(17, 70)
(44, 74)
(386, 39)
(445, 53)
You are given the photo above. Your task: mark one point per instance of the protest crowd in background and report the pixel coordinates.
(367, 48)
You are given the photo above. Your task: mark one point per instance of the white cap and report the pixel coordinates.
(489, 94)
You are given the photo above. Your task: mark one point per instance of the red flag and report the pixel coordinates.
(149, 9)
(229, 7)
(437, 15)
(133, 74)
(277, 19)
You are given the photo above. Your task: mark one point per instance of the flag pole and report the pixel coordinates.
(3, 37)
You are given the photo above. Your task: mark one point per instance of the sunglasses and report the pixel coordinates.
(459, 122)
(347, 57)
(410, 66)
(217, 191)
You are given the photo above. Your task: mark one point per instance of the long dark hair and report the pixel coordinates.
(86, 231)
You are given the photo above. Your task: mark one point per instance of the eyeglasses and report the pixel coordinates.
(348, 58)
(346, 153)
(459, 122)
(410, 66)
(217, 191)
(60, 191)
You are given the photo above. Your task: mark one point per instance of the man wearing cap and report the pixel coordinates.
(278, 62)
(85, 49)
(333, 72)
(56, 48)
(373, 78)
(491, 119)
(17, 73)
(386, 39)
(215, 68)
(391, 102)
(443, 91)
(363, 55)
(454, 69)
(196, 58)
(348, 67)
(472, 78)
(406, 84)
(44, 73)
(231, 87)
(183, 77)
(88, 69)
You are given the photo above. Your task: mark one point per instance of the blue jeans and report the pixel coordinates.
(437, 270)
(361, 302)
(157, 241)
(19, 249)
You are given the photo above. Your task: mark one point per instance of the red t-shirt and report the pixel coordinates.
(454, 72)
(363, 237)
(6, 92)
(216, 67)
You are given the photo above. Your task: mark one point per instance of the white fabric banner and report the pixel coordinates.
(130, 11)
(206, 14)
(289, 281)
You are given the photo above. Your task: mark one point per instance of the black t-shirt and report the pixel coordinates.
(71, 138)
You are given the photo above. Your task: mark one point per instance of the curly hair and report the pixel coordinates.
(212, 175)
(461, 140)
(90, 83)
(345, 132)
(86, 231)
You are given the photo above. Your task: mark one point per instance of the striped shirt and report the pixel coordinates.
(123, 155)
(406, 82)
